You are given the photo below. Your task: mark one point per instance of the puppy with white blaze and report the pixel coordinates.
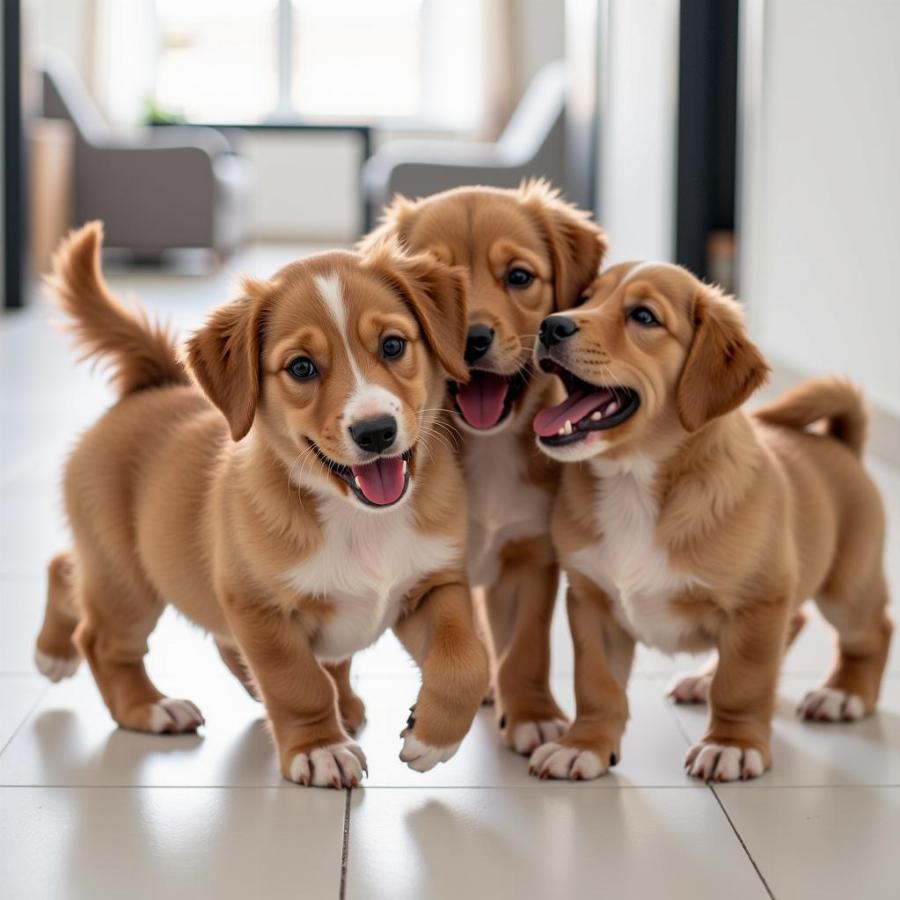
(684, 523)
(289, 498)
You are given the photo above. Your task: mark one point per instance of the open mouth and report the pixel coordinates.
(487, 399)
(380, 482)
(587, 408)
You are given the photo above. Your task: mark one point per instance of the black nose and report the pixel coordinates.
(375, 435)
(478, 342)
(555, 329)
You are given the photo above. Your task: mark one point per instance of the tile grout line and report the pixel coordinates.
(345, 848)
(25, 718)
(737, 834)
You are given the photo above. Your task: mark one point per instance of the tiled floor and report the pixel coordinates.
(87, 811)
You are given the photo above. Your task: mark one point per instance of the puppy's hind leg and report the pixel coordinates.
(119, 614)
(55, 653)
(693, 687)
(864, 638)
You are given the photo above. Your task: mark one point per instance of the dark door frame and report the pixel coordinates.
(14, 199)
(706, 173)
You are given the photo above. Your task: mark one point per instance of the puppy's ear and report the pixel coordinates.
(394, 224)
(224, 356)
(577, 244)
(436, 293)
(723, 366)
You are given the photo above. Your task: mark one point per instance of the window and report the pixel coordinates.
(409, 62)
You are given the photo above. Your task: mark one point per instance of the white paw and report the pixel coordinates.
(831, 705)
(421, 756)
(334, 765)
(554, 760)
(528, 736)
(170, 716)
(717, 762)
(56, 668)
(687, 687)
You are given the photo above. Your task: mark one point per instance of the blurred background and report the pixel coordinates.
(755, 142)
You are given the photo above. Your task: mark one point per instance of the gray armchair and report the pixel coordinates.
(165, 188)
(532, 144)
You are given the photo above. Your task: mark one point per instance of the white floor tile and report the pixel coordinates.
(823, 753)
(21, 613)
(18, 696)
(108, 843)
(821, 843)
(429, 844)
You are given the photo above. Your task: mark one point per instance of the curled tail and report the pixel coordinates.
(141, 354)
(836, 401)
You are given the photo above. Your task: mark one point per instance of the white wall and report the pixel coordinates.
(638, 116)
(820, 190)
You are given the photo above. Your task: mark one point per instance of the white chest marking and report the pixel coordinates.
(502, 506)
(628, 563)
(367, 564)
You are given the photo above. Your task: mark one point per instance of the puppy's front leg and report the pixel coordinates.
(298, 694)
(751, 644)
(440, 635)
(603, 655)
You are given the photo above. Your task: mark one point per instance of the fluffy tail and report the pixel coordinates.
(141, 354)
(836, 401)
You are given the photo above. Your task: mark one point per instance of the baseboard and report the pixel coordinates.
(884, 433)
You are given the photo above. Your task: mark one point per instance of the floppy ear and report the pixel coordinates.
(394, 224)
(437, 295)
(224, 357)
(723, 366)
(577, 244)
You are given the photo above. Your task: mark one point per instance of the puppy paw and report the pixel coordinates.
(169, 716)
(334, 766)
(831, 705)
(553, 760)
(719, 762)
(420, 756)
(353, 713)
(689, 687)
(490, 696)
(525, 737)
(56, 668)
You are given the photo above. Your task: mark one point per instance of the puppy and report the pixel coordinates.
(527, 253)
(688, 525)
(295, 511)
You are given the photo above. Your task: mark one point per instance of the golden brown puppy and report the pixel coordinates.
(295, 517)
(686, 524)
(527, 253)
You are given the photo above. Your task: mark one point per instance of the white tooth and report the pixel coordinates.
(356, 481)
(561, 431)
(611, 408)
(405, 466)
(567, 428)
(596, 416)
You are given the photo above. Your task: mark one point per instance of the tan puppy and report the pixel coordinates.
(527, 253)
(325, 516)
(685, 524)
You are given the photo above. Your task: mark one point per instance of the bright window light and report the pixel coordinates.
(409, 62)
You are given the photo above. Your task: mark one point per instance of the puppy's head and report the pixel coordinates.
(651, 354)
(527, 253)
(339, 363)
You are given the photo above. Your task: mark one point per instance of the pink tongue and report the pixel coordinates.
(381, 481)
(481, 400)
(574, 408)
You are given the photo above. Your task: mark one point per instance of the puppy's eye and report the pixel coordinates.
(581, 300)
(392, 347)
(643, 316)
(302, 368)
(519, 278)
